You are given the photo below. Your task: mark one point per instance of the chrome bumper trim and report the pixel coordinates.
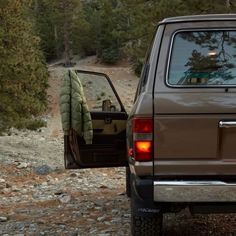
(194, 191)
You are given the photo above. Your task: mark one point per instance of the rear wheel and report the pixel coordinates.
(146, 226)
(142, 222)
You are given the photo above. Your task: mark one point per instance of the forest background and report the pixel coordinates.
(34, 33)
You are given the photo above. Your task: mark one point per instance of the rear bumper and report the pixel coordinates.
(194, 191)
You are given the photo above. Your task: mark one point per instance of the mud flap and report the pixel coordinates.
(142, 203)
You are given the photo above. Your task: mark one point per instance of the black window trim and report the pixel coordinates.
(146, 67)
(170, 56)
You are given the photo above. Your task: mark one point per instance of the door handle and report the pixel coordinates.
(227, 124)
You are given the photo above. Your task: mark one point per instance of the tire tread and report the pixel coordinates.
(146, 226)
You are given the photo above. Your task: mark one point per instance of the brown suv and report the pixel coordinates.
(181, 133)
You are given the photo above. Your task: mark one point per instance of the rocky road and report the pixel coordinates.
(39, 197)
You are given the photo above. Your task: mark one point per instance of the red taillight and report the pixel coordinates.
(142, 138)
(142, 125)
(143, 150)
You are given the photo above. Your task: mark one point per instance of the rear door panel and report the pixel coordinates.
(187, 137)
(109, 145)
(194, 144)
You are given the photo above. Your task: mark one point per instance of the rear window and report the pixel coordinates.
(203, 58)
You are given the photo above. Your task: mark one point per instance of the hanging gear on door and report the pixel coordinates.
(75, 114)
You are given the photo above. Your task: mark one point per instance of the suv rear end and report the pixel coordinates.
(181, 132)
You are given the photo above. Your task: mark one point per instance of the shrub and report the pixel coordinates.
(110, 55)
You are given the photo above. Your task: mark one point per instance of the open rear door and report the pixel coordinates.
(108, 148)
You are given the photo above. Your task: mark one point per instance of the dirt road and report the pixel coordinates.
(38, 197)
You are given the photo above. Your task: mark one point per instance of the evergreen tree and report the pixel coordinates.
(47, 29)
(144, 15)
(112, 28)
(65, 11)
(23, 74)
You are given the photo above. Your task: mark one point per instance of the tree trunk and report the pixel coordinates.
(66, 44)
(66, 13)
(58, 54)
(36, 6)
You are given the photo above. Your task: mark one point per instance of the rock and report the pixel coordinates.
(2, 181)
(97, 208)
(44, 184)
(5, 190)
(107, 223)
(102, 218)
(3, 184)
(24, 190)
(22, 165)
(64, 198)
(59, 192)
(41, 222)
(126, 215)
(103, 186)
(32, 227)
(73, 175)
(3, 219)
(116, 220)
(93, 231)
(15, 189)
(42, 170)
(115, 211)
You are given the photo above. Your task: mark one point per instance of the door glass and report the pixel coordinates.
(99, 93)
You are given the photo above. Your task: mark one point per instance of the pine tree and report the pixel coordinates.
(58, 24)
(23, 74)
(43, 14)
(112, 28)
(64, 16)
(144, 16)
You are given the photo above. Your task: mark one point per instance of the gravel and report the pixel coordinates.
(44, 199)
(39, 197)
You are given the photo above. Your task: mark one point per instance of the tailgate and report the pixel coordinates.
(190, 138)
(195, 101)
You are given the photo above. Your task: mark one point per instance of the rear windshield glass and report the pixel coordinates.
(203, 58)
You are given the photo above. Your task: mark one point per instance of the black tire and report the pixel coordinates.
(146, 226)
(128, 183)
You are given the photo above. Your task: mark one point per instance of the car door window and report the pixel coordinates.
(99, 92)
